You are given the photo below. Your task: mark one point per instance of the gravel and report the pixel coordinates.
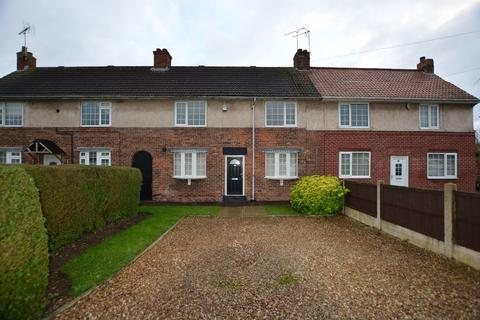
(284, 268)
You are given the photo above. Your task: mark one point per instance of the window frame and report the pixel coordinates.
(98, 157)
(429, 105)
(100, 108)
(349, 126)
(9, 157)
(194, 175)
(351, 176)
(186, 114)
(276, 167)
(445, 176)
(3, 114)
(285, 125)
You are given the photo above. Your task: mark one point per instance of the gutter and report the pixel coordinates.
(120, 97)
(387, 99)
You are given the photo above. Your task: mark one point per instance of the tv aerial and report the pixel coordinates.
(303, 31)
(27, 28)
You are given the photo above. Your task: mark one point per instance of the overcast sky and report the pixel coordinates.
(125, 32)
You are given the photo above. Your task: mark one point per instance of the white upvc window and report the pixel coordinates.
(190, 164)
(354, 115)
(441, 165)
(10, 156)
(190, 113)
(96, 114)
(281, 165)
(280, 114)
(11, 114)
(429, 116)
(96, 157)
(354, 164)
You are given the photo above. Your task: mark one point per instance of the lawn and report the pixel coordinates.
(101, 261)
(280, 210)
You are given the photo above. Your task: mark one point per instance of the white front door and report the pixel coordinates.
(399, 171)
(50, 159)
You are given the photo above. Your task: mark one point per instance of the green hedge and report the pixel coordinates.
(318, 195)
(23, 246)
(80, 199)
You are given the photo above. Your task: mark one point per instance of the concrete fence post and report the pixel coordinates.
(449, 216)
(378, 222)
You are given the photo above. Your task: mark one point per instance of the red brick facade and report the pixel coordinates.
(319, 154)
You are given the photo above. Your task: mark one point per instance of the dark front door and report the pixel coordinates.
(143, 161)
(234, 176)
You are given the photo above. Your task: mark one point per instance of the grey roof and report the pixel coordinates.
(142, 82)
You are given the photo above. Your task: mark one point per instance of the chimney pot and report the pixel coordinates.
(301, 60)
(25, 60)
(426, 65)
(162, 59)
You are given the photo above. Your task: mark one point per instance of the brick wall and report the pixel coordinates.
(319, 154)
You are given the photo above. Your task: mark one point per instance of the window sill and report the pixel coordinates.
(11, 126)
(190, 178)
(281, 126)
(443, 178)
(353, 128)
(280, 178)
(430, 128)
(96, 126)
(190, 126)
(355, 177)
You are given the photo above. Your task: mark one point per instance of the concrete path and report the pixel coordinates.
(242, 212)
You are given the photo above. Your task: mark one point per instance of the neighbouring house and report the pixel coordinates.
(202, 133)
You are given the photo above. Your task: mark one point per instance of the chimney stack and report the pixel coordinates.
(25, 60)
(425, 65)
(301, 60)
(162, 59)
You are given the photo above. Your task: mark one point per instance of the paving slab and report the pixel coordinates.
(242, 212)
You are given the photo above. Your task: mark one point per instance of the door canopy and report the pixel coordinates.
(41, 146)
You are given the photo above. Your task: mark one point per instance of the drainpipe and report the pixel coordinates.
(253, 148)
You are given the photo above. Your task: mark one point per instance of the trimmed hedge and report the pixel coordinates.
(23, 246)
(318, 195)
(80, 199)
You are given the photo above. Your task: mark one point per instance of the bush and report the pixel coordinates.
(80, 199)
(23, 246)
(318, 195)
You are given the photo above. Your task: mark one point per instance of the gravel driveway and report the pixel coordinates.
(285, 268)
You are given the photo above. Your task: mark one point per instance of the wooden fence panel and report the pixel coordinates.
(467, 220)
(419, 210)
(362, 197)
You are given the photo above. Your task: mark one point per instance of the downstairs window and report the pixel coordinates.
(442, 165)
(354, 164)
(190, 164)
(10, 156)
(95, 157)
(281, 164)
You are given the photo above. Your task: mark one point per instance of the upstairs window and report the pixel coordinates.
(191, 113)
(11, 114)
(429, 116)
(190, 164)
(353, 115)
(96, 157)
(10, 156)
(442, 165)
(281, 114)
(96, 114)
(281, 165)
(354, 164)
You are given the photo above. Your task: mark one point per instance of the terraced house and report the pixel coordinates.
(203, 133)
